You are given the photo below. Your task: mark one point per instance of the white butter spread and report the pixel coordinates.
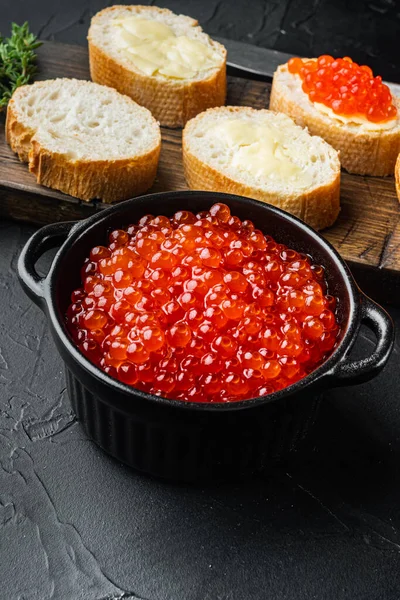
(154, 48)
(264, 151)
(354, 119)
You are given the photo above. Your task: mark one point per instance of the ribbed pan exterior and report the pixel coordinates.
(210, 446)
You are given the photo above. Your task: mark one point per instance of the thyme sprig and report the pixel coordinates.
(17, 60)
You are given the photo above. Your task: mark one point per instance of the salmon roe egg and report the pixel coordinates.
(202, 308)
(345, 87)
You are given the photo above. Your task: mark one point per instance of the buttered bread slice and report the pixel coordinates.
(84, 139)
(263, 155)
(163, 61)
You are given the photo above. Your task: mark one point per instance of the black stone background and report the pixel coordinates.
(76, 525)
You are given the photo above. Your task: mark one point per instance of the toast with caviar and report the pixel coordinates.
(84, 139)
(163, 61)
(344, 104)
(263, 155)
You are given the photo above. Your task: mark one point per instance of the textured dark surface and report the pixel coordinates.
(76, 525)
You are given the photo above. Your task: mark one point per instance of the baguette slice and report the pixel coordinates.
(212, 163)
(84, 139)
(172, 101)
(363, 150)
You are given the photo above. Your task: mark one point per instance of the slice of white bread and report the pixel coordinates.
(212, 162)
(363, 150)
(172, 101)
(84, 139)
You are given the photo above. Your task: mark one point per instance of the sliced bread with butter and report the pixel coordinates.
(263, 155)
(84, 139)
(163, 61)
(365, 148)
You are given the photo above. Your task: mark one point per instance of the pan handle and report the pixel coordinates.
(49, 236)
(351, 372)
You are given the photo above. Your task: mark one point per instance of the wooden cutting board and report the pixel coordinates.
(367, 232)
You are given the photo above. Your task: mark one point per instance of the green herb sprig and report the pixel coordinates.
(17, 60)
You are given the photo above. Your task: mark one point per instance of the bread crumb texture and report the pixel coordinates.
(83, 138)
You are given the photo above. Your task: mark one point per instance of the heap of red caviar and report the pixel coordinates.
(203, 308)
(346, 87)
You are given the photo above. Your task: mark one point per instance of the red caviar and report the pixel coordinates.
(345, 87)
(184, 320)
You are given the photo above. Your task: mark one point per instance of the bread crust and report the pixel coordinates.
(319, 207)
(363, 153)
(171, 102)
(107, 180)
(397, 176)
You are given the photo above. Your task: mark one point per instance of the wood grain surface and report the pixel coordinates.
(367, 232)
